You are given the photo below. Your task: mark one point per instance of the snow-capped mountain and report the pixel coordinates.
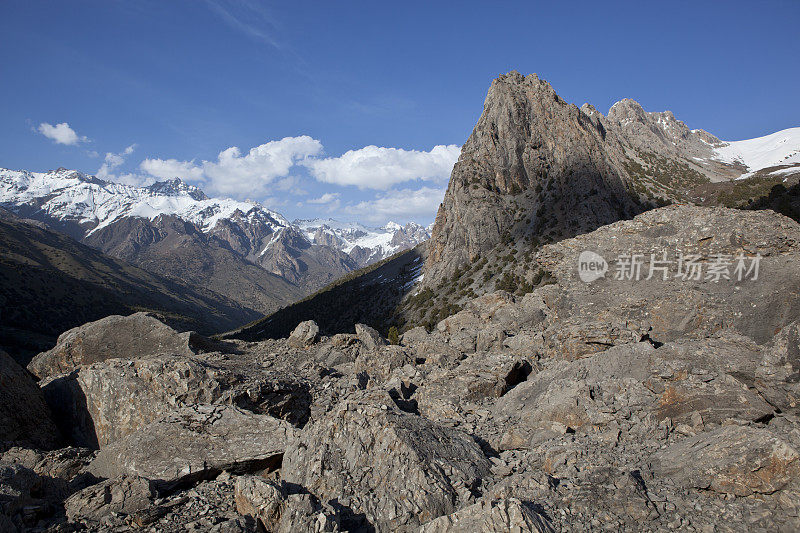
(240, 249)
(91, 204)
(364, 243)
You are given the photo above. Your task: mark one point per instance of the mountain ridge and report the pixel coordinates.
(240, 249)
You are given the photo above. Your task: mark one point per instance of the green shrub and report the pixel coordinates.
(393, 336)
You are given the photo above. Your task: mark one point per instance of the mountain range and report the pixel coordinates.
(241, 250)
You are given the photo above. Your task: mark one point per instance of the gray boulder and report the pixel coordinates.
(445, 394)
(136, 336)
(676, 307)
(195, 443)
(280, 512)
(124, 495)
(261, 499)
(371, 339)
(379, 362)
(494, 516)
(396, 469)
(778, 374)
(305, 334)
(103, 402)
(735, 460)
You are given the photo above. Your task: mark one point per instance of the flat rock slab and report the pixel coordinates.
(496, 516)
(137, 336)
(194, 443)
(737, 460)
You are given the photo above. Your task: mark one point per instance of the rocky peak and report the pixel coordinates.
(707, 137)
(177, 187)
(533, 165)
(627, 108)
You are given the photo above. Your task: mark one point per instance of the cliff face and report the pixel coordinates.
(533, 166)
(536, 169)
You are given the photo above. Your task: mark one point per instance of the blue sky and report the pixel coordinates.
(356, 109)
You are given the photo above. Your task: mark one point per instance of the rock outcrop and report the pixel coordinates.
(533, 163)
(394, 469)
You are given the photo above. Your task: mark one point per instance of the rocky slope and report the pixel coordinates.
(50, 283)
(666, 402)
(239, 249)
(371, 295)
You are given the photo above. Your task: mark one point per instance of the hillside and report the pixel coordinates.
(370, 295)
(50, 283)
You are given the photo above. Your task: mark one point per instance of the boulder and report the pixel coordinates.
(101, 403)
(304, 513)
(24, 415)
(397, 470)
(124, 495)
(279, 512)
(736, 460)
(378, 363)
(676, 307)
(260, 498)
(371, 339)
(778, 373)
(136, 336)
(196, 443)
(445, 393)
(305, 334)
(493, 516)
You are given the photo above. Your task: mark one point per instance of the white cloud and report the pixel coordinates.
(112, 161)
(374, 167)
(399, 205)
(61, 133)
(326, 198)
(236, 174)
(172, 168)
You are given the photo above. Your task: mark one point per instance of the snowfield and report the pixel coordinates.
(779, 148)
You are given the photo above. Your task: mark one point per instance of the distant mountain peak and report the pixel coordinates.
(177, 187)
